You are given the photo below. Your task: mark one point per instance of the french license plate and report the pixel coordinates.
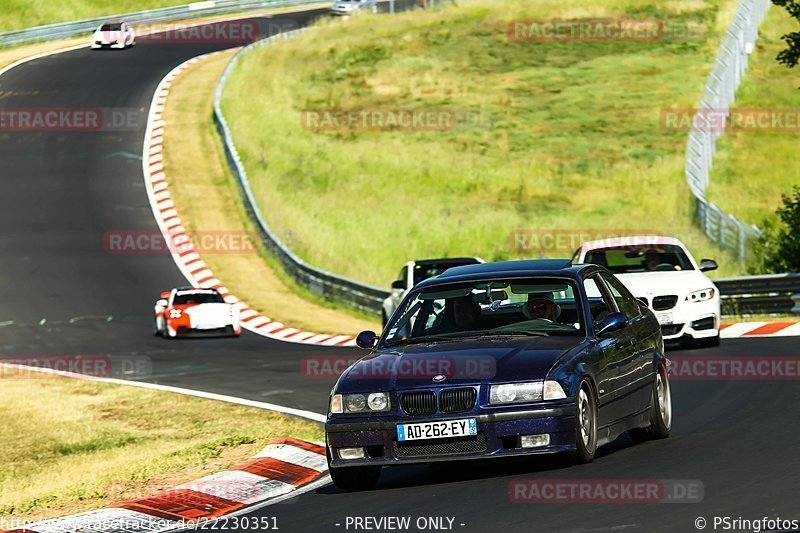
(665, 318)
(437, 430)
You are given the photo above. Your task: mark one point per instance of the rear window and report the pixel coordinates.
(111, 27)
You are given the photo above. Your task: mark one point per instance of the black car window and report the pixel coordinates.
(599, 304)
(626, 303)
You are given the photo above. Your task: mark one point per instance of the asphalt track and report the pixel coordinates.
(62, 294)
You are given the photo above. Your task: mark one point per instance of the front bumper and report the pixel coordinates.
(222, 331)
(498, 436)
(97, 45)
(697, 320)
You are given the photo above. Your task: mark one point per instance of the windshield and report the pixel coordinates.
(111, 27)
(640, 258)
(198, 298)
(492, 308)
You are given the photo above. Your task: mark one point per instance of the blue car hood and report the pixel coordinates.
(459, 362)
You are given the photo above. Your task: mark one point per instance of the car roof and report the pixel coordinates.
(631, 240)
(448, 260)
(507, 269)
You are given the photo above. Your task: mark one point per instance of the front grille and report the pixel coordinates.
(451, 446)
(418, 403)
(457, 400)
(670, 329)
(662, 303)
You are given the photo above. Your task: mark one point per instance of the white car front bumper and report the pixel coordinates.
(698, 320)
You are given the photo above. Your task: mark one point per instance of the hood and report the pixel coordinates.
(107, 36)
(208, 314)
(462, 362)
(649, 284)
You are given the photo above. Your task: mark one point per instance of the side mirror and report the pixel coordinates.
(613, 322)
(165, 295)
(162, 303)
(366, 340)
(642, 302)
(399, 285)
(708, 264)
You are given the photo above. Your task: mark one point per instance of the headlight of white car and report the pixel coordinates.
(359, 403)
(702, 295)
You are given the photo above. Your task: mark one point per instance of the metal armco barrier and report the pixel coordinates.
(773, 294)
(728, 232)
(52, 32)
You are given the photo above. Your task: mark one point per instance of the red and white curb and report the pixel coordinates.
(187, 258)
(760, 329)
(275, 474)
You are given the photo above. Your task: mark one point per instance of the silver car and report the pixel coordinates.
(351, 7)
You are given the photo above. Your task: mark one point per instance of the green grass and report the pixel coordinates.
(754, 168)
(70, 446)
(18, 14)
(570, 140)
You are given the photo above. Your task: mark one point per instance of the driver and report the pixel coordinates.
(541, 307)
(652, 260)
(466, 313)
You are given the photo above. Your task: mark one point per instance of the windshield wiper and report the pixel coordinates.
(418, 340)
(512, 332)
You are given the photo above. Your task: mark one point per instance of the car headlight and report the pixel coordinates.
(516, 392)
(359, 403)
(702, 295)
(533, 391)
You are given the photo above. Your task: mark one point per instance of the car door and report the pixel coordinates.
(643, 368)
(618, 357)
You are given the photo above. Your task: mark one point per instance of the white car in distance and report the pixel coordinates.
(661, 272)
(415, 272)
(113, 35)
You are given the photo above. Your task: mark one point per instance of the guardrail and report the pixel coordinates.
(64, 30)
(724, 229)
(773, 294)
(361, 296)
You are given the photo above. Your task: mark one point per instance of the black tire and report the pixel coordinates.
(660, 419)
(585, 423)
(156, 332)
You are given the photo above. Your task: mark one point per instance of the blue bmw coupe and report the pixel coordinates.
(498, 360)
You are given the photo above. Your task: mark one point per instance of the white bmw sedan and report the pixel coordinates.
(113, 35)
(661, 272)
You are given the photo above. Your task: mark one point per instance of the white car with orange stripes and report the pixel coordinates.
(190, 311)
